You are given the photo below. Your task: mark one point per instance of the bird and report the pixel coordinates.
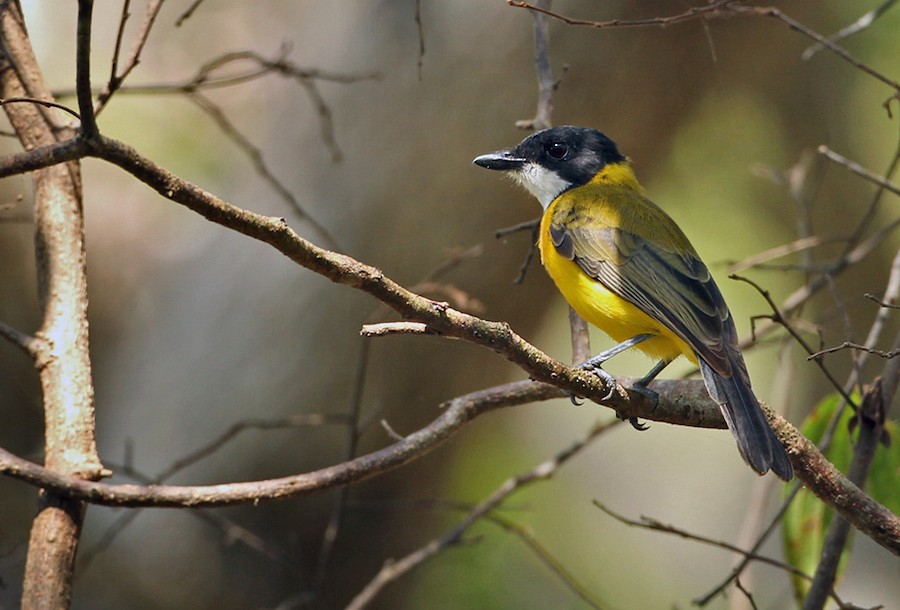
(626, 267)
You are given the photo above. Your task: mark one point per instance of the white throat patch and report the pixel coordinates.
(540, 182)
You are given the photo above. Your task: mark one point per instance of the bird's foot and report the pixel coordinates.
(641, 388)
(595, 368)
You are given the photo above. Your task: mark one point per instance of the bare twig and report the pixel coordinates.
(339, 501)
(854, 28)
(201, 453)
(393, 570)
(692, 13)
(546, 83)
(771, 11)
(854, 346)
(44, 103)
(83, 69)
(714, 9)
(188, 13)
(859, 170)
(881, 302)
(143, 34)
(778, 317)
(70, 448)
(871, 416)
(680, 401)
(746, 559)
(581, 338)
(420, 31)
(653, 524)
(384, 329)
(254, 153)
(751, 555)
(757, 260)
(28, 344)
(120, 36)
(530, 225)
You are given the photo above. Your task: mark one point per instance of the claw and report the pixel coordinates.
(574, 399)
(640, 388)
(599, 372)
(637, 425)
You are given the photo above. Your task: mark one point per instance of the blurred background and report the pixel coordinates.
(194, 328)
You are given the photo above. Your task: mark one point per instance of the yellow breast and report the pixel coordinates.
(601, 307)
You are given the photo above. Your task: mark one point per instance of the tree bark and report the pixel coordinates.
(62, 355)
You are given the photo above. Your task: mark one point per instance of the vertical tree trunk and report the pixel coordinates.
(63, 358)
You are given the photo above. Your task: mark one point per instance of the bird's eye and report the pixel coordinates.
(557, 150)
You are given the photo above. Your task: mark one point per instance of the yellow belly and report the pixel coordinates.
(607, 311)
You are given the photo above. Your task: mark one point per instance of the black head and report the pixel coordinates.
(553, 160)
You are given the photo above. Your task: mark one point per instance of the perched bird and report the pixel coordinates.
(624, 265)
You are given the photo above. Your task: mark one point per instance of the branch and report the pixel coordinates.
(771, 11)
(70, 449)
(691, 13)
(836, 490)
(854, 28)
(28, 344)
(455, 415)
(871, 414)
(143, 34)
(255, 154)
(681, 402)
(392, 570)
(859, 170)
(83, 68)
(546, 84)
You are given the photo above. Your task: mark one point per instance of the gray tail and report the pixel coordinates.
(755, 439)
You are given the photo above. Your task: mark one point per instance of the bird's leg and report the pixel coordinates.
(594, 363)
(640, 386)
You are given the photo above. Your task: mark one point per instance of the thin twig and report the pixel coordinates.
(854, 28)
(393, 570)
(657, 526)
(757, 260)
(780, 319)
(581, 337)
(420, 31)
(751, 555)
(854, 346)
(529, 225)
(119, 525)
(384, 329)
(27, 343)
(546, 83)
(188, 13)
(83, 69)
(254, 153)
(881, 302)
(771, 11)
(339, 500)
(691, 404)
(120, 36)
(44, 103)
(691, 13)
(859, 170)
(746, 559)
(143, 34)
(871, 416)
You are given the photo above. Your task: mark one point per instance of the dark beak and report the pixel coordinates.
(501, 160)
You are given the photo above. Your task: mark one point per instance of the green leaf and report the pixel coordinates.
(806, 521)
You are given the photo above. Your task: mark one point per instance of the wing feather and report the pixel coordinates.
(674, 288)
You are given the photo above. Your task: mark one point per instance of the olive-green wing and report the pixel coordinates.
(674, 288)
